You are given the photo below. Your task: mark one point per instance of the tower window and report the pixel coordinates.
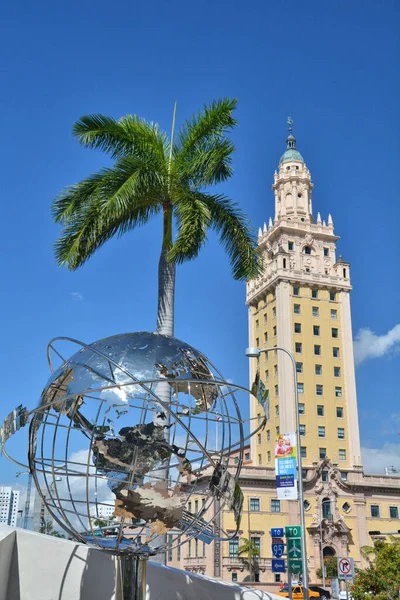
(296, 290)
(269, 456)
(299, 195)
(288, 168)
(322, 453)
(320, 410)
(300, 388)
(275, 506)
(316, 329)
(317, 350)
(346, 507)
(274, 330)
(254, 504)
(315, 311)
(333, 314)
(339, 412)
(234, 576)
(257, 324)
(336, 371)
(319, 389)
(299, 367)
(298, 347)
(290, 245)
(307, 250)
(375, 511)
(266, 336)
(268, 435)
(335, 352)
(338, 392)
(277, 410)
(393, 512)
(303, 451)
(340, 433)
(297, 327)
(296, 309)
(302, 429)
(335, 332)
(274, 312)
(266, 375)
(302, 408)
(284, 263)
(276, 370)
(314, 293)
(265, 318)
(326, 251)
(259, 438)
(321, 431)
(344, 273)
(325, 476)
(332, 296)
(318, 369)
(276, 390)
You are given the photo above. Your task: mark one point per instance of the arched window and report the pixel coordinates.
(328, 551)
(326, 509)
(344, 273)
(307, 250)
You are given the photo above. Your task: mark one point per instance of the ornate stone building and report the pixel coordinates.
(302, 303)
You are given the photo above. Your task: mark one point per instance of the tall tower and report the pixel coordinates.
(9, 501)
(302, 303)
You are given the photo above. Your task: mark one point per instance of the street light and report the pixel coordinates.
(255, 353)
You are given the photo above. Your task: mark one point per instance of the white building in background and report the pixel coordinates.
(9, 502)
(102, 511)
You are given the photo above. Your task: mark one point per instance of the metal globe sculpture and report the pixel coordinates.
(132, 432)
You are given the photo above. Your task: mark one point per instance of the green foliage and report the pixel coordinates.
(382, 580)
(248, 547)
(330, 568)
(47, 528)
(146, 178)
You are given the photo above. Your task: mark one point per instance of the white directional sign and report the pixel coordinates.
(345, 567)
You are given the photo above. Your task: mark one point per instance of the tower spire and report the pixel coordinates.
(291, 140)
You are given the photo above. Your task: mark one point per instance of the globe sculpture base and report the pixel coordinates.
(133, 571)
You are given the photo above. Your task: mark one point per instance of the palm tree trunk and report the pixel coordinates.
(165, 326)
(166, 280)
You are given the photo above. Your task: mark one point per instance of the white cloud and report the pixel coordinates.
(76, 295)
(369, 345)
(376, 459)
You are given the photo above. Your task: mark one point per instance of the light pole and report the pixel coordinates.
(255, 353)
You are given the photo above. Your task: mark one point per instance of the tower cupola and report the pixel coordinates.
(291, 153)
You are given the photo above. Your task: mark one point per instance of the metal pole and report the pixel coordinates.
(299, 467)
(290, 585)
(347, 589)
(250, 552)
(133, 571)
(321, 548)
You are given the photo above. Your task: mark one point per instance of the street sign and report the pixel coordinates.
(278, 550)
(278, 566)
(345, 567)
(293, 532)
(295, 565)
(277, 532)
(294, 548)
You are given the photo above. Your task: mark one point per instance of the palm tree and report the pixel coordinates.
(250, 548)
(150, 175)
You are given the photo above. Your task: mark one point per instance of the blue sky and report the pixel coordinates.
(332, 66)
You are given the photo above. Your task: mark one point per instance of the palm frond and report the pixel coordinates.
(193, 218)
(125, 197)
(213, 120)
(209, 163)
(93, 227)
(130, 135)
(236, 236)
(74, 197)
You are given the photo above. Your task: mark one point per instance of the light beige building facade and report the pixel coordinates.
(302, 303)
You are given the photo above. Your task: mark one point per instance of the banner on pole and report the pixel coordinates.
(285, 466)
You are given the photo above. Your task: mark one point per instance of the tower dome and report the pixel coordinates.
(291, 153)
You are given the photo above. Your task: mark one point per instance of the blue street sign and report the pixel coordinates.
(277, 532)
(278, 550)
(278, 566)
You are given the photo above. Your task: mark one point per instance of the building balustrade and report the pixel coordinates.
(241, 563)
